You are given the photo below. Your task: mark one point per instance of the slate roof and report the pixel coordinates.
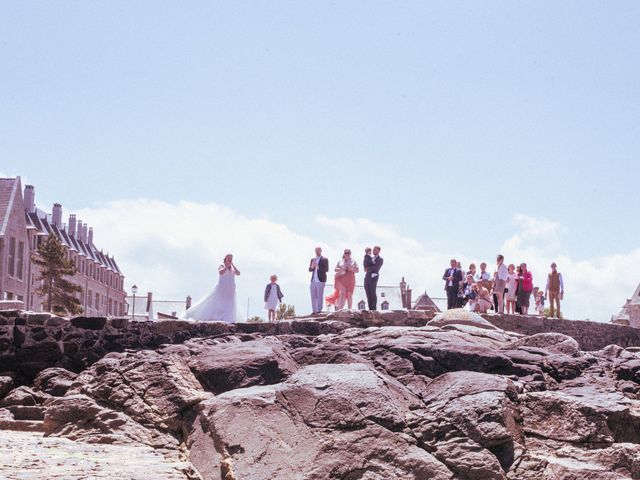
(42, 225)
(9, 187)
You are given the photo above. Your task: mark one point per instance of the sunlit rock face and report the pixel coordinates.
(350, 396)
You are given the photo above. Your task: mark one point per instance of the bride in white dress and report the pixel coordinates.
(220, 303)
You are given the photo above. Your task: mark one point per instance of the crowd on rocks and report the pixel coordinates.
(508, 290)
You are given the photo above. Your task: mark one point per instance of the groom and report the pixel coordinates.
(319, 266)
(372, 265)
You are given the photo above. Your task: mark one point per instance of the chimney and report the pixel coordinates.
(56, 215)
(188, 302)
(90, 237)
(85, 230)
(72, 224)
(29, 198)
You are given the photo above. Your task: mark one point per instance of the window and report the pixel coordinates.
(20, 259)
(361, 305)
(11, 268)
(9, 296)
(20, 298)
(110, 306)
(89, 298)
(97, 300)
(385, 305)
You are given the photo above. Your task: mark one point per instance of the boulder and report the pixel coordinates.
(551, 342)
(324, 421)
(78, 417)
(6, 384)
(153, 389)
(54, 381)
(24, 396)
(459, 316)
(227, 366)
(586, 416)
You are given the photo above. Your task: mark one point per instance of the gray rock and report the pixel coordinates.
(54, 381)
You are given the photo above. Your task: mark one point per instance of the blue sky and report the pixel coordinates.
(442, 121)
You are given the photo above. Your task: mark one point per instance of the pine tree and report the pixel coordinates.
(54, 267)
(285, 311)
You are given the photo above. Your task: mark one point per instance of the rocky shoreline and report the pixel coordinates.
(353, 396)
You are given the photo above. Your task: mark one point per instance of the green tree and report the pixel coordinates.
(54, 267)
(255, 319)
(285, 311)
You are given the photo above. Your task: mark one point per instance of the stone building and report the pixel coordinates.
(630, 313)
(23, 227)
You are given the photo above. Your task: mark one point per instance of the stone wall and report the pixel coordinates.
(31, 342)
(589, 335)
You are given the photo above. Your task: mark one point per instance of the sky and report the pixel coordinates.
(182, 132)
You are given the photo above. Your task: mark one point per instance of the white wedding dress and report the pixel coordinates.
(219, 305)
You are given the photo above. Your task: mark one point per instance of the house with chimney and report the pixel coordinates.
(23, 227)
(630, 312)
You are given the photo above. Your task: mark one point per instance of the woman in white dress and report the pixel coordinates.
(219, 305)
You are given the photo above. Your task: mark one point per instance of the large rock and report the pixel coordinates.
(585, 415)
(54, 381)
(227, 366)
(78, 417)
(325, 421)
(459, 316)
(153, 389)
(551, 342)
(6, 384)
(471, 423)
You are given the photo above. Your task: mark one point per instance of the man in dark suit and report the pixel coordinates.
(372, 266)
(452, 276)
(319, 266)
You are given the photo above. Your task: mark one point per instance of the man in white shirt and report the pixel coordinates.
(500, 282)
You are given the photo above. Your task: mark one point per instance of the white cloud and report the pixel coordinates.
(174, 249)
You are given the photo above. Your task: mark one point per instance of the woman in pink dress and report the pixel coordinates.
(345, 282)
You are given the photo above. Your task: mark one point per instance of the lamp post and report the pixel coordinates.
(134, 290)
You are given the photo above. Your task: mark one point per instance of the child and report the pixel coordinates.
(540, 302)
(272, 296)
(368, 259)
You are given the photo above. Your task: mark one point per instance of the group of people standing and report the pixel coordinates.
(508, 288)
(344, 280)
(219, 304)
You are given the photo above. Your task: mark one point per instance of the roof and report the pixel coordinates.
(42, 225)
(632, 303)
(9, 190)
(425, 302)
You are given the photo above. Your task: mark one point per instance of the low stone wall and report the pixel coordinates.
(31, 342)
(589, 335)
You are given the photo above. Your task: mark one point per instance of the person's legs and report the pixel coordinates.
(373, 285)
(313, 288)
(554, 296)
(367, 290)
(500, 300)
(342, 291)
(451, 297)
(320, 297)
